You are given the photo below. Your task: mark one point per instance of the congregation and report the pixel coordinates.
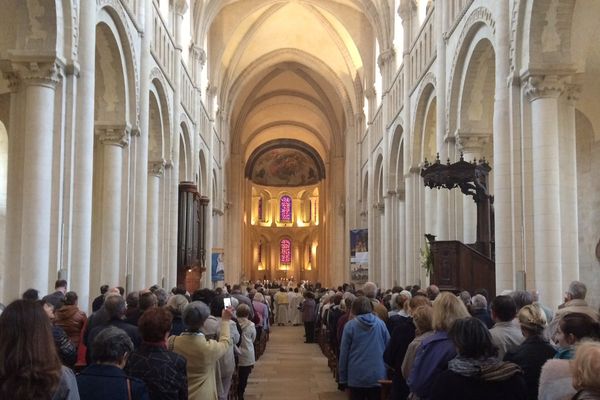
(402, 343)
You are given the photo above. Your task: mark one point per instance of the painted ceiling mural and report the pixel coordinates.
(285, 163)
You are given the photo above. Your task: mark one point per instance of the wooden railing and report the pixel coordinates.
(458, 267)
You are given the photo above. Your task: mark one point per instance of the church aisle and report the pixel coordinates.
(291, 369)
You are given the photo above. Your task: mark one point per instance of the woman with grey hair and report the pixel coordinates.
(176, 304)
(105, 378)
(201, 354)
(361, 363)
(479, 310)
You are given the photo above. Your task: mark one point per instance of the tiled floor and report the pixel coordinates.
(291, 370)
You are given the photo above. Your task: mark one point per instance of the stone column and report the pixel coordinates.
(390, 237)
(370, 95)
(401, 268)
(35, 83)
(568, 187)
(411, 229)
(81, 228)
(11, 272)
(543, 92)
(155, 173)
(501, 170)
(139, 203)
(471, 145)
(387, 67)
(443, 196)
(113, 138)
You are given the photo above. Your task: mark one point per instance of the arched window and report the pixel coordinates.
(285, 251)
(285, 209)
(261, 215)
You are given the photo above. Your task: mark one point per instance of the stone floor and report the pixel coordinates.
(292, 370)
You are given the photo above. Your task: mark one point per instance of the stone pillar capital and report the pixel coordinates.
(385, 57)
(198, 54)
(37, 73)
(181, 6)
(544, 86)
(156, 168)
(471, 142)
(572, 92)
(113, 135)
(370, 92)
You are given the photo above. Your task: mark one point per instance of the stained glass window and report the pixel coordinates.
(260, 209)
(285, 209)
(285, 251)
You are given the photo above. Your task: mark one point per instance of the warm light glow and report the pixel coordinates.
(261, 266)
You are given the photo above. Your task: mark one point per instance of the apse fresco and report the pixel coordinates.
(284, 167)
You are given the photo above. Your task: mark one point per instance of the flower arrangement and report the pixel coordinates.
(427, 259)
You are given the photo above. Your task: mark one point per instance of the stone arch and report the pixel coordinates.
(476, 97)
(115, 44)
(396, 159)
(546, 33)
(156, 128)
(424, 113)
(480, 25)
(185, 153)
(113, 10)
(202, 172)
(378, 185)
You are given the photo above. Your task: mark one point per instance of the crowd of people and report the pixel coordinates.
(418, 343)
(426, 344)
(146, 345)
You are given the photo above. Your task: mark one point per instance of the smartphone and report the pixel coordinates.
(227, 302)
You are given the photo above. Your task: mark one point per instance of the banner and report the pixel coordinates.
(359, 255)
(217, 265)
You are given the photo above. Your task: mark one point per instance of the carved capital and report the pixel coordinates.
(181, 6)
(156, 168)
(572, 92)
(472, 143)
(370, 92)
(544, 86)
(211, 90)
(198, 54)
(168, 164)
(113, 135)
(386, 56)
(14, 82)
(136, 131)
(37, 73)
(379, 206)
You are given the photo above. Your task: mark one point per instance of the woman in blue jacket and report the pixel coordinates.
(361, 353)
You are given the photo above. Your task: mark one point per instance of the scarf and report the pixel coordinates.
(489, 369)
(586, 395)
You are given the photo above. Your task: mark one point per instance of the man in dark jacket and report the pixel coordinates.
(105, 378)
(98, 301)
(111, 314)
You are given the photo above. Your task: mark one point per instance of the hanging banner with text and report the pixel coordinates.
(359, 255)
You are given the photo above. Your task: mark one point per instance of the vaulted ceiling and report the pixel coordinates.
(290, 69)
